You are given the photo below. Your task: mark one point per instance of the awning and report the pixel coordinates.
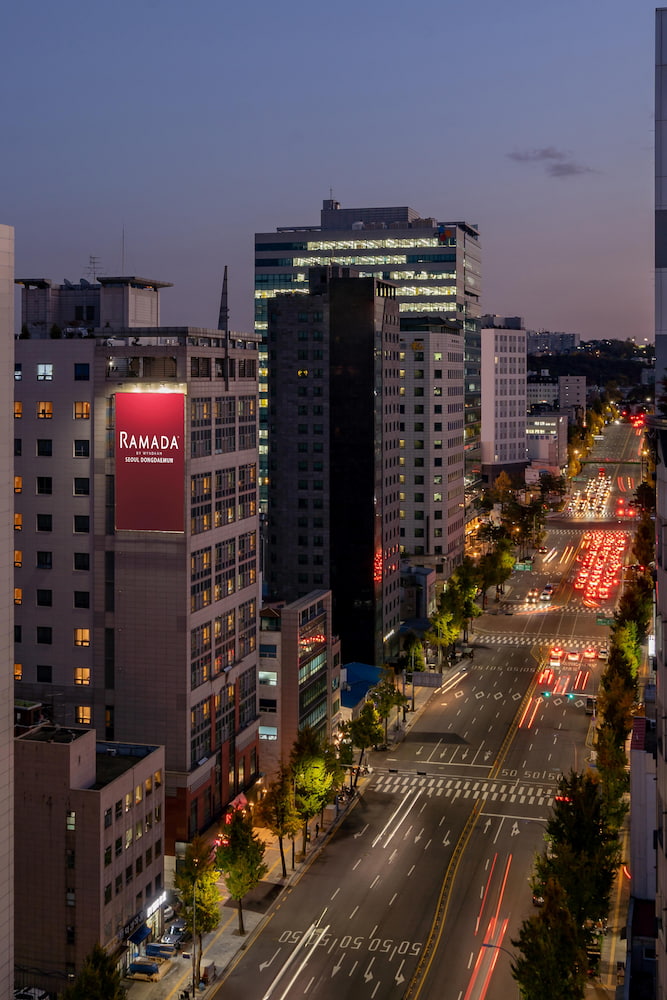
(140, 934)
(240, 802)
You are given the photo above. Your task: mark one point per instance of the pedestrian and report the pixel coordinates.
(317, 830)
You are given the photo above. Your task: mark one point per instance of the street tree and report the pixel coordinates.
(386, 696)
(458, 597)
(502, 489)
(442, 634)
(313, 778)
(196, 880)
(552, 963)
(98, 979)
(277, 810)
(612, 764)
(240, 858)
(583, 850)
(636, 603)
(643, 546)
(364, 732)
(645, 497)
(413, 652)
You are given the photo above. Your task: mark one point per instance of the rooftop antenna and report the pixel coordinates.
(223, 315)
(94, 267)
(122, 251)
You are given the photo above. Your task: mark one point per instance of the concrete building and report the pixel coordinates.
(335, 456)
(299, 675)
(503, 397)
(572, 395)
(432, 418)
(541, 394)
(105, 304)
(436, 267)
(546, 439)
(6, 611)
(544, 342)
(136, 527)
(89, 857)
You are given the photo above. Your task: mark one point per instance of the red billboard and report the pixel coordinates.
(150, 461)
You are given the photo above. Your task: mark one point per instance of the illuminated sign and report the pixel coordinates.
(150, 461)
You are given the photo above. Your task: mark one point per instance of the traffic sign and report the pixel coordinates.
(602, 620)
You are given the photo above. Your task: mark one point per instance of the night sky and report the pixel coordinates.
(192, 125)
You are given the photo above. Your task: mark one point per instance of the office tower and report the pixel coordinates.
(572, 395)
(544, 342)
(136, 582)
(432, 428)
(334, 455)
(6, 612)
(435, 266)
(89, 851)
(503, 397)
(299, 675)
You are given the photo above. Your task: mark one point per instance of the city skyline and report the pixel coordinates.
(165, 137)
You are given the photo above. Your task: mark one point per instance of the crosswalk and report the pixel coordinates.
(466, 788)
(512, 639)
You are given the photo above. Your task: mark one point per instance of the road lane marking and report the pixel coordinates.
(393, 817)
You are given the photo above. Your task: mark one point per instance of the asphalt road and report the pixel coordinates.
(425, 884)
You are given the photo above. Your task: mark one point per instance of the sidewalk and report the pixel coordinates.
(222, 946)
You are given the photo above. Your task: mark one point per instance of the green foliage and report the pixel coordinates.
(365, 731)
(413, 653)
(386, 696)
(277, 810)
(98, 979)
(645, 498)
(313, 775)
(240, 858)
(584, 851)
(643, 546)
(442, 634)
(195, 879)
(552, 964)
(614, 776)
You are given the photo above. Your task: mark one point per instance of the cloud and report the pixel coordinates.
(556, 163)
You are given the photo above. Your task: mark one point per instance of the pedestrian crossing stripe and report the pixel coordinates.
(462, 788)
(509, 639)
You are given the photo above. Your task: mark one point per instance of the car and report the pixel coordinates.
(574, 656)
(542, 549)
(31, 993)
(603, 653)
(545, 595)
(557, 653)
(533, 594)
(590, 653)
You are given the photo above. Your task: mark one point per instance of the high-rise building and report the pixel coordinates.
(335, 457)
(136, 585)
(503, 397)
(432, 430)
(6, 611)
(435, 266)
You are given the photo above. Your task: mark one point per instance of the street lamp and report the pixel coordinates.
(499, 947)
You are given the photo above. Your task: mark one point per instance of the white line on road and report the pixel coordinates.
(353, 968)
(335, 893)
(409, 874)
(375, 881)
(354, 867)
(393, 817)
(353, 912)
(393, 898)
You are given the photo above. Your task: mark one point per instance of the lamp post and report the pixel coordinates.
(194, 937)
(499, 947)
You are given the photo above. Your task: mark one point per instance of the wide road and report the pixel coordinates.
(423, 887)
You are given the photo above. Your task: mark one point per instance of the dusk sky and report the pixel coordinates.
(194, 125)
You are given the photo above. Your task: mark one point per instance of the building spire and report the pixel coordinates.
(223, 315)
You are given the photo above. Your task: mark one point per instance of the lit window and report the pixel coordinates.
(18, 411)
(18, 522)
(18, 558)
(18, 671)
(83, 714)
(18, 595)
(138, 794)
(44, 373)
(71, 820)
(18, 371)
(18, 484)
(82, 637)
(82, 676)
(44, 410)
(81, 410)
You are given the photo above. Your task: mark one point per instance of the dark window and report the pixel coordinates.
(44, 635)
(81, 370)
(17, 633)
(81, 524)
(107, 823)
(18, 446)
(81, 486)
(44, 560)
(81, 599)
(44, 485)
(45, 447)
(44, 522)
(81, 560)
(81, 448)
(44, 598)
(44, 673)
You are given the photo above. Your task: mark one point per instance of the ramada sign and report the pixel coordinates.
(150, 461)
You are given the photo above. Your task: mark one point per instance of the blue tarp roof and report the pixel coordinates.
(360, 677)
(140, 934)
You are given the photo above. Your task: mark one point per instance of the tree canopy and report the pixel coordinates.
(196, 880)
(240, 858)
(98, 979)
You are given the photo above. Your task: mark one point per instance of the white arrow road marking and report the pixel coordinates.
(360, 833)
(398, 978)
(314, 932)
(487, 825)
(419, 836)
(445, 842)
(515, 829)
(393, 855)
(265, 965)
(368, 975)
(337, 967)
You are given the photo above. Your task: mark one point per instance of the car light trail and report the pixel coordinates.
(486, 892)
